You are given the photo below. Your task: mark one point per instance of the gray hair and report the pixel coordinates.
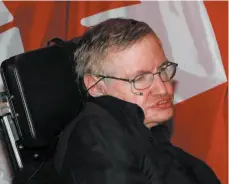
(112, 34)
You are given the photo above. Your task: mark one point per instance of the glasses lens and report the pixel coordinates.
(168, 72)
(143, 81)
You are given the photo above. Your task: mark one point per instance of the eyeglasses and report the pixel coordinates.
(143, 81)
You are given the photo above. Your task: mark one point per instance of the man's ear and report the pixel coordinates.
(98, 89)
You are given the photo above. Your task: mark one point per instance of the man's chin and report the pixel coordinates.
(151, 124)
(157, 121)
(159, 118)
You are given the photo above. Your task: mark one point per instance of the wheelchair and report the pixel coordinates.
(41, 98)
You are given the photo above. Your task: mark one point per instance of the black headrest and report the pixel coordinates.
(42, 91)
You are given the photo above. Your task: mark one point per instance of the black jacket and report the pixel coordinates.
(109, 144)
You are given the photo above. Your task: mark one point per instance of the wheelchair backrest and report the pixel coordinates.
(42, 92)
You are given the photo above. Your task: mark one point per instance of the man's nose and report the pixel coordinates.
(158, 86)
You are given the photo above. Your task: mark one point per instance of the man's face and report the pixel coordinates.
(145, 56)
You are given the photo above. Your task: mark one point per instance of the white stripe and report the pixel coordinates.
(5, 15)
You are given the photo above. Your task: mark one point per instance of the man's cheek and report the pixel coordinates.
(140, 101)
(170, 89)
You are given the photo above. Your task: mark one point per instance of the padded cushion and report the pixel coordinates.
(45, 95)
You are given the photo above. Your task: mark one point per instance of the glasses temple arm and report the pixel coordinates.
(110, 77)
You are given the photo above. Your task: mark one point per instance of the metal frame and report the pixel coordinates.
(9, 129)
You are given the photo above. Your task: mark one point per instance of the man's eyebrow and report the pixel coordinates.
(139, 72)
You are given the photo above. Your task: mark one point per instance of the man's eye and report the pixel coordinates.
(139, 78)
(164, 67)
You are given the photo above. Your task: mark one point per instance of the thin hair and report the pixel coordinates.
(112, 35)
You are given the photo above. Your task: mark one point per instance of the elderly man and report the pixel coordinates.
(120, 136)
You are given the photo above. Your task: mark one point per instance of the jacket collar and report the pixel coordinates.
(115, 104)
(120, 109)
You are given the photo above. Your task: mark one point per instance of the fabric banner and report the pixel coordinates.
(194, 34)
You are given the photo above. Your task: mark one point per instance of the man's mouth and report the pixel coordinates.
(163, 103)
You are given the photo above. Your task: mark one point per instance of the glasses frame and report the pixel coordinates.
(132, 81)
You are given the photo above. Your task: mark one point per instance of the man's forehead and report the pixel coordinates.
(144, 56)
